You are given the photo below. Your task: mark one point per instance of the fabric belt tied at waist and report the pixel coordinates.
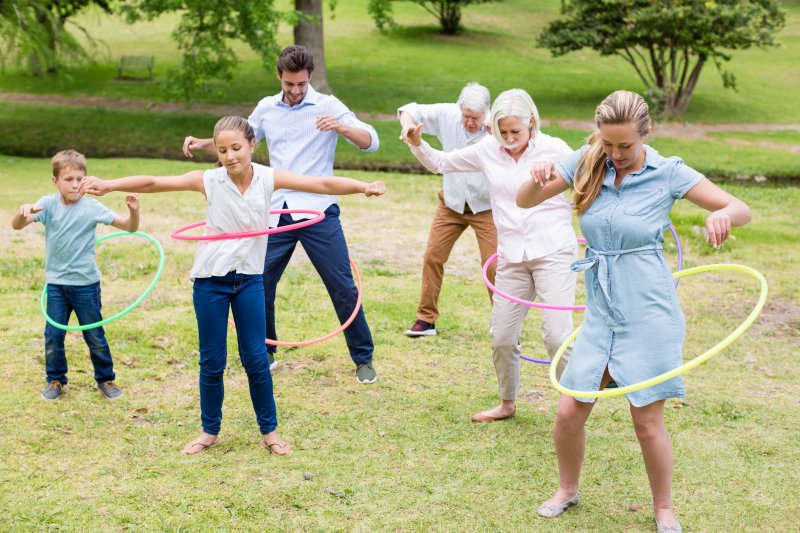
(609, 312)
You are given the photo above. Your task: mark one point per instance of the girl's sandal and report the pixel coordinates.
(277, 448)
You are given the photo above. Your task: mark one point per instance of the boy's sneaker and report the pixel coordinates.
(366, 374)
(110, 390)
(272, 362)
(53, 390)
(421, 329)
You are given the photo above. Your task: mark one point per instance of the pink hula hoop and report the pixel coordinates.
(520, 301)
(333, 333)
(245, 234)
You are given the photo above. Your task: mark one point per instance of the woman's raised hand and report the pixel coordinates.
(542, 172)
(412, 136)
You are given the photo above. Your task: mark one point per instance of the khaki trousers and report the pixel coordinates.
(446, 228)
(547, 280)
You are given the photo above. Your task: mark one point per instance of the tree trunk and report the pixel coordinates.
(450, 17)
(310, 35)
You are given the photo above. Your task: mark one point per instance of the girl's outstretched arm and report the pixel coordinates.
(191, 181)
(726, 210)
(327, 185)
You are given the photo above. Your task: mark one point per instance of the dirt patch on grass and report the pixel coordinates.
(780, 317)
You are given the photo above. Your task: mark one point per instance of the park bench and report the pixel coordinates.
(130, 65)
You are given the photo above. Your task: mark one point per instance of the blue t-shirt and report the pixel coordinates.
(70, 238)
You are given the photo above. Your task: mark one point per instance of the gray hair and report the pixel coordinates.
(514, 103)
(474, 97)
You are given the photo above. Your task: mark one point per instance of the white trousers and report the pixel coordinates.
(544, 280)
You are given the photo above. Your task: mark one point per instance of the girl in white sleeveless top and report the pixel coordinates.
(227, 273)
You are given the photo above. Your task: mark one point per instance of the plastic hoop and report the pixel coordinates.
(245, 234)
(528, 303)
(43, 305)
(333, 333)
(708, 354)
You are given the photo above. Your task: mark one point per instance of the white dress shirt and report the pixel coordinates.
(230, 211)
(521, 233)
(444, 121)
(295, 144)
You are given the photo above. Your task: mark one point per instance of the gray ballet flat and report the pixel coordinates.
(553, 510)
(661, 528)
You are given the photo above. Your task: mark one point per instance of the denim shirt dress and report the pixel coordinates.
(633, 324)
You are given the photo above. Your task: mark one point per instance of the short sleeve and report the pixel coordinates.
(683, 179)
(568, 166)
(44, 202)
(104, 215)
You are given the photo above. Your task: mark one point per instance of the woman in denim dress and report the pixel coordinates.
(633, 329)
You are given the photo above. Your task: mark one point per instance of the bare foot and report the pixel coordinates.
(275, 444)
(200, 444)
(500, 412)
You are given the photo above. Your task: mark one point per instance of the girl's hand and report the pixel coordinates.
(94, 186)
(27, 210)
(376, 188)
(132, 201)
(542, 172)
(718, 228)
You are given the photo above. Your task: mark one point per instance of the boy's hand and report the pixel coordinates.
(94, 186)
(132, 201)
(27, 210)
(376, 188)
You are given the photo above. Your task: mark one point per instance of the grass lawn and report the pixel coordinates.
(400, 454)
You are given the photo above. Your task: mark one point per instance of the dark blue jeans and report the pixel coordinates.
(213, 297)
(62, 300)
(325, 245)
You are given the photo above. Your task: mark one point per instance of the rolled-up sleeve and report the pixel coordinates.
(568, 166)
(349, 119)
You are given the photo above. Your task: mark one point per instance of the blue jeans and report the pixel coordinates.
(326, 248)
(62, 300)
(213, 297)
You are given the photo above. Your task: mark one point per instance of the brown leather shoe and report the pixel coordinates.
(482, 417)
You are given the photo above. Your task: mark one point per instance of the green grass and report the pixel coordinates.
(399, 455)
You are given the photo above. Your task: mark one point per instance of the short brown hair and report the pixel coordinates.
(294, 59)
(68, 159)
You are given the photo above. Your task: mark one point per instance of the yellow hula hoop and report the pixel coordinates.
(702, 358)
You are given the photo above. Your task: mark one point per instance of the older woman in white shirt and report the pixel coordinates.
(535, 247)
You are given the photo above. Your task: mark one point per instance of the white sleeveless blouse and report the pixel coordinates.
(229, 211)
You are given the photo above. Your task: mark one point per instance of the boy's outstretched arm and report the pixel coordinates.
(131, 222)
(25, 215)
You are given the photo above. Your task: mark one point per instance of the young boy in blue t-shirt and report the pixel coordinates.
(71, 274)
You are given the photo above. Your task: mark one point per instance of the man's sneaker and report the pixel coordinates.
(110, 390)
(366, 374)
(421, 329)
(52, 391)
(272, 362)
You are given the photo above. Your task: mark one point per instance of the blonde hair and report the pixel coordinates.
(68, 159)
(234, 123)
(514, 103)
(619, 107)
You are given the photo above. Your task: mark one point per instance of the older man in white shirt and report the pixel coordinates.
(464, 199)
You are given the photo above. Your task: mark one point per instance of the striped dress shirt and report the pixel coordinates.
(296, 145)
(444, 121)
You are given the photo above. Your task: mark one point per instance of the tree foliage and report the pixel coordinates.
(204, 34)
(668, 42)
(35, 32)
(448, 12)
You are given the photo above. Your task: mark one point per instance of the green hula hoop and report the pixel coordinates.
(43, 305)
(702, 358)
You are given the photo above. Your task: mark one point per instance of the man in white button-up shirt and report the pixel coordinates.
(301, 128)
(464, 200)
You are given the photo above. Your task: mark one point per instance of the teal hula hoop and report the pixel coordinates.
(125, 311)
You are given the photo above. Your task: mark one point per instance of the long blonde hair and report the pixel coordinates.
(619, 107)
